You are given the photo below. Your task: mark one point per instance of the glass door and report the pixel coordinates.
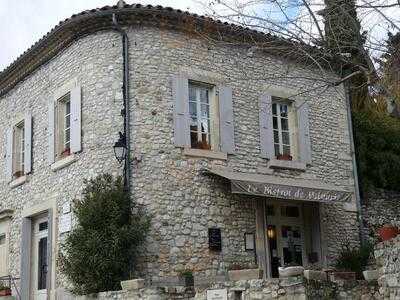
(39, 259)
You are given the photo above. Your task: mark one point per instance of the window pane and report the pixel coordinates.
(2, 238)
(193, 139)
(290, 211)
(285, 138)
(285, 124)
(205, 125)
(192, 93)
(270, 210)
(204, 95)
(286, 150)
(275, 122)
(276, 136)
(193, 123)
(274, 108)
(284, 110)
(67, 136)
(205, 111)
(67, 107)
(193, 109)
(276, 147)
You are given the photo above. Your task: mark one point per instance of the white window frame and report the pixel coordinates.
(62, 145)
(292, 127)
(213, 113)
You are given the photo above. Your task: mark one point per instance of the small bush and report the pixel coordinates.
(98, 252)
(354, 259)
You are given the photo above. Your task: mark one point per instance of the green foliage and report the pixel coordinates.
(377, 141)
(354, 259)
(98, 253)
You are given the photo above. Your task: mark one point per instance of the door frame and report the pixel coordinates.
(48, 207)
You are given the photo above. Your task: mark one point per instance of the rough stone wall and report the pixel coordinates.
(380, 207)
(387, 259)
(96, 62)
(186, 203)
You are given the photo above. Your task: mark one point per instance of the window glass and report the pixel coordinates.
(290, 211)
(63, 126)
(270, 210)
(2, 239)
(200, 117)
(281, 127)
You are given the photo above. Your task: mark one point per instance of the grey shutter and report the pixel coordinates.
(25, 256)
(50, 132)
(266, 126)
(76, 119)
(28, 143)
(180, 94)
(304, 133)
(49, 250)
(226, 120)
(9, 153)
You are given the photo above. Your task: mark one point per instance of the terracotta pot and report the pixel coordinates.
(5, 292)
(387, 232)
(284, 157)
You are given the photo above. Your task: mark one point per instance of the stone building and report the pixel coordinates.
(238, 156)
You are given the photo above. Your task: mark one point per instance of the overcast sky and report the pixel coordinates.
(23, 22)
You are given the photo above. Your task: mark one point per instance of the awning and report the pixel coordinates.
(284, 188)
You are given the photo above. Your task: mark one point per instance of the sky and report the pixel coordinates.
(24, 22)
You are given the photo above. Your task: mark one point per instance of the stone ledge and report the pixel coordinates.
(19, 181)
(64, 162)
(287, 164)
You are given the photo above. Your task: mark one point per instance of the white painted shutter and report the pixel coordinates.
(28, 143)
(26, 236)
(180, 94)
(226, 120)
(76, 135)
(50, 131)
(9, 153)
(304, 133)
(266, 126)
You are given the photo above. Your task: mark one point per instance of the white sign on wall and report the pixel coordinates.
(64, 223)
(221, 294)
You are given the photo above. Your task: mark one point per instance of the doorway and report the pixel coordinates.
(39, 258)
(291, 233)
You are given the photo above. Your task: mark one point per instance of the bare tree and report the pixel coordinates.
(349, 36)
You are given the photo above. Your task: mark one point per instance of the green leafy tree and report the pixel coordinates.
(101, 250)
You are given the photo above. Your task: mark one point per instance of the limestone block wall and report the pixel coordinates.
(183, 201)
(95, 61)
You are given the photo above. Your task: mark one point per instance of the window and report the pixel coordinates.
(2, 239)
(290, 211)
(200, 106)
(281, 126)
(63, 127)
(18, 155)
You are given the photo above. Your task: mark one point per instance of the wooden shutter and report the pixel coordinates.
(76, 120)
(28, 143)
(226, 120)
(304, 133)
(26, 234)
(9, 153)
(266, 126)
(50, 132)
(180, 94)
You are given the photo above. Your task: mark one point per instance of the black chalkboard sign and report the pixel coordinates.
(214, 239)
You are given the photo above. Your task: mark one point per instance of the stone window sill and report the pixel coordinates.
(287, 165)
(19, 181)
(64, 162)
(205, 153)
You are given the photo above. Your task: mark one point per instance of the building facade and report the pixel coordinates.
(239, 158)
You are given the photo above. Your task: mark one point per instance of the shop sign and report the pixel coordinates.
(289, 192)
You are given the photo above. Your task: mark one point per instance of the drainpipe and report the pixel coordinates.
(125, 93)
(354, 162)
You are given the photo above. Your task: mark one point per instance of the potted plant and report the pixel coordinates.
(284, 157)
(66, 152)
(18, 174)
(187, 277)
(387, 232)
(4, 290)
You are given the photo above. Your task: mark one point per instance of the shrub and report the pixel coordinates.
(99, 252)
(377, 141)
(354, 259)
